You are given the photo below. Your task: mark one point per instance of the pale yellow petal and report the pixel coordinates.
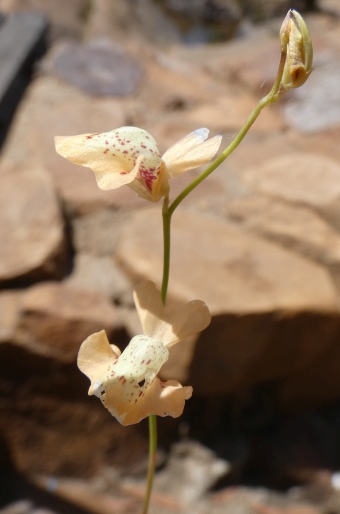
(185, 144)
(117, 157)
(126, 382)
(159, 398)
(95, 356)
(190, 319)
(169, 326)
(149, 306)
(180, 159)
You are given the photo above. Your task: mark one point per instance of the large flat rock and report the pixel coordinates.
(293, 226)
(33, 244)
(274, 312)
(47, 419)
(55, 318)
(46, 416)
(52, 107)
(232, 271)
(304, 178)
(101, 275)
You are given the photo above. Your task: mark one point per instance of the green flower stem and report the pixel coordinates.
(166, 248)
(152, 417)
(167, 213)
(272, 97)
(152, 460)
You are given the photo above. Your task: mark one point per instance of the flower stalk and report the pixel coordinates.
(127, 383)
(153, 418)
(152, 461)
(294, 38)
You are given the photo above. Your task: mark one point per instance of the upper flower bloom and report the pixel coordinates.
(127, 383)
(130, 155)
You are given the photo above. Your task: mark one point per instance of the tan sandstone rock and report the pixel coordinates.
(10, 302)
(52, 107)
(231, 111)
(48, 421)
(252, 65)
(101, 275)
(33, 244)
(243, 273)
(55, 318)
(305, 178)
(259, 295)
(52, 426)
(323, 143)
(124, 20)
(291, 225)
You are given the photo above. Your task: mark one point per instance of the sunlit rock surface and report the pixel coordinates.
(258, 241)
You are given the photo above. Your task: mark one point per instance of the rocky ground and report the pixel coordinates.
(259, 242)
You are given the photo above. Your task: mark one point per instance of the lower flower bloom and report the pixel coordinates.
(127, 383)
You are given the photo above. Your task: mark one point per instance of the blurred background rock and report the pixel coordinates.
(259, 241)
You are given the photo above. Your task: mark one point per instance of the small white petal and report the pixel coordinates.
(202, 133)
(200, 153)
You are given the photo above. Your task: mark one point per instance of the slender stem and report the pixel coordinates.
(272, 97)
(152, 417)
(166, 248)
(167, 212)
(152, 460)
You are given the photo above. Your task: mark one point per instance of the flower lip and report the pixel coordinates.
(130, 387)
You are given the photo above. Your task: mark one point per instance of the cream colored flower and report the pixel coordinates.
(129, 155)
(127, 383)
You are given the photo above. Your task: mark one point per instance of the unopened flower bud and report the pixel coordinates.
(295, 39)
